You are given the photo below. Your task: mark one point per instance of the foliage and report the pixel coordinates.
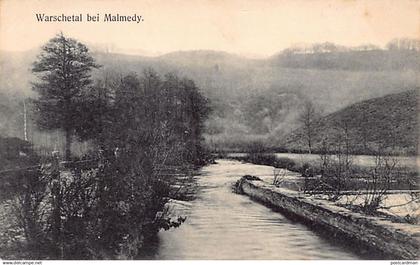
(141, 126)
(30, 210)
(160, 115)
(260, 158)
(91, 214)
(113, 210)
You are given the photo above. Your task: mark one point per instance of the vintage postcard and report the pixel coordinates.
(209, 130)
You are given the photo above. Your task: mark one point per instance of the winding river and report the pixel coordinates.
(223, 225)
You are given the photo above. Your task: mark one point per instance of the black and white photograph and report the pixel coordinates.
(209, 130)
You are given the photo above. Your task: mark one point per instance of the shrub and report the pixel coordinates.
(307, 170)
(284, 162)
(379, 182)
(109, 211)
(260, 158)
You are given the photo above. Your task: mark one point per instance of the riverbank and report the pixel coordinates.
(224, 225)
(296, 160)
(310, 167)
(394, 240)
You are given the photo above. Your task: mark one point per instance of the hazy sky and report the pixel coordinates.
(253, 28)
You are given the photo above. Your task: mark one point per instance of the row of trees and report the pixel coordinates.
(163, 110)
(402, 44)
(139, 126)
(167, 114)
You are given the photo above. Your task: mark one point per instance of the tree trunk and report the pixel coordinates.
(68, 145)
(309, 140)
(310, 147)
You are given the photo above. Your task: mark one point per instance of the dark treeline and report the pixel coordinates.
(139, 126)
(400, 53)
(160, 115)
(117, 112)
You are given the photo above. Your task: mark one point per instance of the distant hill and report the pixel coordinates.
(203, 57)
(370, 60)
(389, 122)
(251, 99)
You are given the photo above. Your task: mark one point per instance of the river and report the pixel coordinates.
(223, 225)
(359, 160)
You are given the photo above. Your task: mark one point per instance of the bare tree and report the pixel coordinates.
(307, 118)
(379, 181)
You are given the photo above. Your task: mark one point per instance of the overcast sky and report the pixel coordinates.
(253, 28)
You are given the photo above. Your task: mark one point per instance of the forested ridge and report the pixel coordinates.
(253, 100)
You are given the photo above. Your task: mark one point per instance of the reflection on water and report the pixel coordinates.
(225, 225)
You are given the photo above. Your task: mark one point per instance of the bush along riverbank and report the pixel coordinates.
(393, 240)
(361, 188)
